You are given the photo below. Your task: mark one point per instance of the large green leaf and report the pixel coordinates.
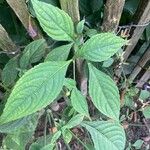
(100, 47)
(106, 135)
(79, 102)
(59, 54)
(32, 53)
(104, 93)
(37, 88)
(9, 73)
(55, 22)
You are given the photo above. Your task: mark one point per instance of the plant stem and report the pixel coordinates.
(67, 145)
(74, 70)
(45, 127)
(79, 140)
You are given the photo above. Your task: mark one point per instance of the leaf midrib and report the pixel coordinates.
(55, 22)
(103, 135)
(101, 89)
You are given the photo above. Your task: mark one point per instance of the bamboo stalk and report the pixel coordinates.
(21, 10)
(6, 43)
(144, 78)
(112, 14)
(145, 58)
(142, 16)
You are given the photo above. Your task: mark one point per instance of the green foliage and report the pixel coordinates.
(14, 125)
(32, 53)
(138, 144)
(17, 140)
(80, 26)
(106, 135)
(74, 121)
(104, 93)
(59, 54)
(55, 22)
(78, 102)
(31, 93)
(43, 84)
(70, 83)
(101, 47)
(10, 72)
(146, 112)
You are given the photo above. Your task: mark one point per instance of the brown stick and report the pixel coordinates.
(140, 65)
(112, 13)
(142, 16)
(6, 43)
(144, 78)
(72, 8)
(21, 10)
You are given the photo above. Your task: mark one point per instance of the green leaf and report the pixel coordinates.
(76, 120)
(104, 93)
(108, 62)
(14, 125)
(55, 137)
(32, 53)
(138, 144)
(101, 47)
(48, 147)
(36, 89)
(59, 54)
(67, 136)
(10, 72)
(54, 21)
(146, 112)
(69, 83)
(18, 139)
(144, 94)
(106, 135)
(80, 26)
(79, 102)
(41, 141)
(91, 32)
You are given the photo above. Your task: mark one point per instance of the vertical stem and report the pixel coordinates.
(112, 14)
(72, 8)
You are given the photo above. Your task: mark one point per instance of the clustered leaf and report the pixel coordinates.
(32, 53)
(41, 85)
